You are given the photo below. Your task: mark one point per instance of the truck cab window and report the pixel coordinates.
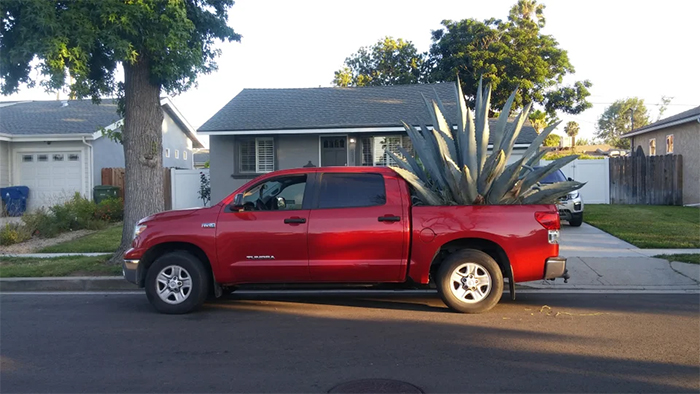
(340, 190)
(279, 194)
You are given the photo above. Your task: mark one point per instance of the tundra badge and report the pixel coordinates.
(208, 225)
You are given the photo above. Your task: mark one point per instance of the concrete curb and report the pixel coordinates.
(52, 255)
(77, 283)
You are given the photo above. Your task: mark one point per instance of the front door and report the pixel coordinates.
(334, 151)
(266, 241)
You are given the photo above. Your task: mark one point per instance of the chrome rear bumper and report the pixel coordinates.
(555, 267)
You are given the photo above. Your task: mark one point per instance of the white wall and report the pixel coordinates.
(185, 186)
(596, 174)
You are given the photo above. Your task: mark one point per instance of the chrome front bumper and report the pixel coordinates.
(555, 267)
(129, 270)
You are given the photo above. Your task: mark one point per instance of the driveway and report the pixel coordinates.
(589, 241)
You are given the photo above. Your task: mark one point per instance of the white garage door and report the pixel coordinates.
(52, 177)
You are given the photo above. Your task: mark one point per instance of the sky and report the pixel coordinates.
(626, 48)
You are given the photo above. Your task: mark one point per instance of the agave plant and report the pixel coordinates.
(454, 167)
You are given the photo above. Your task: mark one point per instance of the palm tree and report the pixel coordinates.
(571, 130)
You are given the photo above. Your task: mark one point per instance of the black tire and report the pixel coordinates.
(576, 219)
(487, 264)
(194, 269)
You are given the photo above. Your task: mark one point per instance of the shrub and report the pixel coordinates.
(110, 210)
(13, 233)
(42, 223)
(75, 214)
(555, 156)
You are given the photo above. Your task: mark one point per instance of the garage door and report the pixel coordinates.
(52, 177)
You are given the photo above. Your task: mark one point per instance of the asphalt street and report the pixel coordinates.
(311, 342)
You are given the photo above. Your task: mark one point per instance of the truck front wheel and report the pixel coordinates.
(177, 283)
(470, 281)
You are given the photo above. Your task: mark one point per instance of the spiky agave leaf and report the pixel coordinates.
(505, 182)
(423, 191)
(512, 132)
(454, 176)
(417, 169)
(481, 111)
(532, 161)
(549, 194)
(539, 140)
(499, 130)
(492, 169)
(427, 155)
(469, 184)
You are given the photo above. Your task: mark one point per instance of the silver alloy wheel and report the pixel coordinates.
(470, 283)
(173, 284)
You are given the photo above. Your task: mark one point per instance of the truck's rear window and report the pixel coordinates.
(340, 190)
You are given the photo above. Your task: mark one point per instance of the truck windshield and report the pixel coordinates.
(554, 177)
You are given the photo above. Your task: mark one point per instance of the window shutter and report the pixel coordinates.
(265, 150)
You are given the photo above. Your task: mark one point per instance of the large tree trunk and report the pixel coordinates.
(142, 139)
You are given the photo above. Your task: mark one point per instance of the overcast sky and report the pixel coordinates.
(625, 48)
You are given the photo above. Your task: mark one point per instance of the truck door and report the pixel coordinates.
(357, 229)
(266, 241)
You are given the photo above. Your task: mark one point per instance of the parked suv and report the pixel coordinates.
(570, 206)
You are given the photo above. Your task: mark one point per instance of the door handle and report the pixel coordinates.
(389, 218)
(294, 220)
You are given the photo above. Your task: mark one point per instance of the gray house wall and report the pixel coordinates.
(686, 142)
(109, 154)
(4, 163)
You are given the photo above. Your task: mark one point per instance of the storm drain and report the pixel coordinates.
(376, 386)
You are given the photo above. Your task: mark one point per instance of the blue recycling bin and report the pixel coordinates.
(14, 199)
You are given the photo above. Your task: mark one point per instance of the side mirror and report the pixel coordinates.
(237, 201)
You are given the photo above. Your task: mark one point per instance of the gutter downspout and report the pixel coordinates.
(90, 170)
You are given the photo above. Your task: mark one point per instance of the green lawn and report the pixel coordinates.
(648, 226)
(12, 267)
(693, 258)
(103, 241)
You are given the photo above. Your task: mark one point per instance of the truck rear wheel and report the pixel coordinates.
(177, 283)
(470, 281)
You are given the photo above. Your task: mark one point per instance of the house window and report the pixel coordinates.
(177, 154)
(652, 147)
(256, 155)
(374, 149)
(58, 157)
(167, 152)
(27, 158)
(184, 155)
(669, 144)
(42, 158)
(73, 157)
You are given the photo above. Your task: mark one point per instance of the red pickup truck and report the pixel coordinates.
(341, 225)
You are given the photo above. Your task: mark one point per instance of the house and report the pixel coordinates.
(201, 158)
(678, 135)
(262, 130)
(56, 148)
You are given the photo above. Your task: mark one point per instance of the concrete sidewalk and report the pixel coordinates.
(598, 260)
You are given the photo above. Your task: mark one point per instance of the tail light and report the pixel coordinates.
(550, 221)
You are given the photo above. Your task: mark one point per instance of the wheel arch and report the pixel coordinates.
(487, 246)
(160, 249)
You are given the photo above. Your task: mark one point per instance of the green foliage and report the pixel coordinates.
(583, 142)
(454, 167)
(13, 233)
(103, 241)
(509, 54)
(204, 191)
(110, 210)
(556, 156)
(114, 135)
(571, 129)
(691, 258)
(89, 38)
(388, 62)
(665, 101)
(617, 120)
(552, 140)
(58, 266)
(206, 164)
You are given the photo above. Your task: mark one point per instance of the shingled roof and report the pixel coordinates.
(54, 117)
(256, 110)
(683, 117)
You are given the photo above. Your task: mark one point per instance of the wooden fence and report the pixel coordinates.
(115, 177)
(649, 180)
